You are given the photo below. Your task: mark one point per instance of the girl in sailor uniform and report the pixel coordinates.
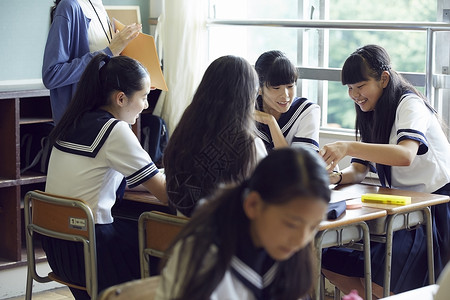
(253, 240)
(401, 134)
(283, 119)
(94, 149)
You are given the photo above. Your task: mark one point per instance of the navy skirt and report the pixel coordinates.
(117, 256)
(409, 268)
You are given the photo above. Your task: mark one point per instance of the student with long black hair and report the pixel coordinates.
(214, 143)
(402, 138)
(94, 150)
(253, 240)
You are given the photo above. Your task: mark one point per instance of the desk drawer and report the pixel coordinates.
(401, 221)
(341, 236)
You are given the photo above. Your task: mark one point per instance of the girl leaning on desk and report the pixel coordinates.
(94, 150)
(401, 134)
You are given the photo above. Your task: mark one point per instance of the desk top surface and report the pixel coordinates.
(419, 200)
(144, 197)
(351, 216)
(371, 211)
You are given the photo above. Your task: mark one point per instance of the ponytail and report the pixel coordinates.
(101, 77)
(210, 221)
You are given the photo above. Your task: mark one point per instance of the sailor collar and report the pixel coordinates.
(286, 121)
(254, 267)
(88, 134)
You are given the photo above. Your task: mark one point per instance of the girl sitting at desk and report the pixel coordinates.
(253, 240)
(399, 132)
(214, 142)
(283, 119)
(94, 150)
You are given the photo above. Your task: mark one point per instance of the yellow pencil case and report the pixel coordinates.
(386, 199)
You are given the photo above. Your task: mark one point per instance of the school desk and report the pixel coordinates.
(346, 231)
(398, 217)
(409, 217)
(136, 202)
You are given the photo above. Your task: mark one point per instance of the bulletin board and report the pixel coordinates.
(126, 14)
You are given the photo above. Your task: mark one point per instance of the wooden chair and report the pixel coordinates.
(139, 289)
(61, 218)
(156, 231)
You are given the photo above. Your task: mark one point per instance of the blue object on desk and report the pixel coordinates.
(335, 209)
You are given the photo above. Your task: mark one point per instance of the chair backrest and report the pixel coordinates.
(61, 218)
(157, 230)
(139, 289)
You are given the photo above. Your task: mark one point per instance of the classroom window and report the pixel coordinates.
(323, 48)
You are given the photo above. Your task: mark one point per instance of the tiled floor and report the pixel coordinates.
(55, 294)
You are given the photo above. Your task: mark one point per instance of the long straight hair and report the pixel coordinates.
(102, 76)
(213, 142)
(368, 62)
(285, 175)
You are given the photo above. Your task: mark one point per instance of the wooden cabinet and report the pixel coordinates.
(20, 106)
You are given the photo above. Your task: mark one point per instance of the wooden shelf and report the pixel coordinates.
(7, 264)
(21, 106)
(24, 121)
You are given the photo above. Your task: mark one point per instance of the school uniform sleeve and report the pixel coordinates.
(307, 130)
(413, 119)
(66, 52)
(229, 288)
(126, 155)
(261, 150)
(176, 268)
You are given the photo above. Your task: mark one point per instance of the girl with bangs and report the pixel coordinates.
(282, 119)
(399, 136)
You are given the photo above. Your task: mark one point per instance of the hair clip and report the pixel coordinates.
(106, 59)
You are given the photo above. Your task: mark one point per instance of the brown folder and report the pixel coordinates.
(143, 49)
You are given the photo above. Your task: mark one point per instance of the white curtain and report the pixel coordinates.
(182, 36)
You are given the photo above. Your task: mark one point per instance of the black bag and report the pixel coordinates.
(154, 137)
(35, 147)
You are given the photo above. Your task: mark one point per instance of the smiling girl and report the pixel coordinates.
(283, 119)
(253, 240)
(94, 151)
(401, 135)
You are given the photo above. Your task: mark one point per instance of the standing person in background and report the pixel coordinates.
(400, 133)
(79, 30)
(94, 149)
(214, 142)
(283, 119)
(253, 240)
